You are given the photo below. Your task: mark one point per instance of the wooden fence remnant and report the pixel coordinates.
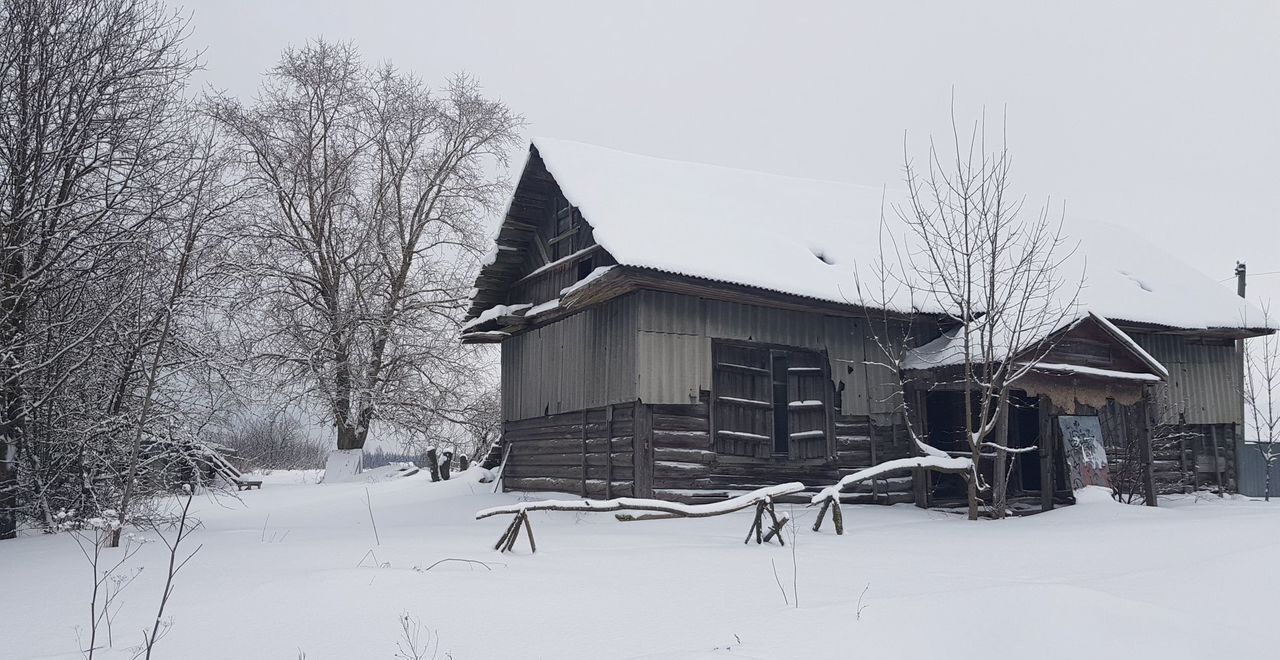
(762, 499)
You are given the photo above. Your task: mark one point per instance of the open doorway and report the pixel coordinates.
(946, 430)
(1024, 431)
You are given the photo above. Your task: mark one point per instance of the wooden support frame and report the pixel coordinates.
(762, 500)
(1048, 446)
(608, 452)
(1217, 462)
(1149, 495)
(584, 451)
(829, 498)
(643, 449)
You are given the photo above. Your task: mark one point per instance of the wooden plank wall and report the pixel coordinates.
(562, 454)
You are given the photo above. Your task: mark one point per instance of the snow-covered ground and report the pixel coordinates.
(295, 568)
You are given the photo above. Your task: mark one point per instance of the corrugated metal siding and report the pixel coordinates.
(1253, 472)
(1205, 380)
(675, 333)
(673, 367)
(582, 361)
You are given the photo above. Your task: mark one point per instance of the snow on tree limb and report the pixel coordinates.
(939, 463)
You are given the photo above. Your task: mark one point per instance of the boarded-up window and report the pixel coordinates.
(770, 401)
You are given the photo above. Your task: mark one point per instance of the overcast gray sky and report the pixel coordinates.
(1162, 116)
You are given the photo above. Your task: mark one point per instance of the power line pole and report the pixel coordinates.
(1241, 272)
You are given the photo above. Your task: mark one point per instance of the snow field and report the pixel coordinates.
(295, 567)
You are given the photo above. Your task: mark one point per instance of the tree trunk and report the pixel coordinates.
(1000, 473)
(1266, 482)
(347, 437)
(8, 488)
(13, 425)
(433, 464)
(972, 481)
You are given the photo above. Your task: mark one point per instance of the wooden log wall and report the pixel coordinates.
(862, 442)
(677, 458)
(687, 468)
(585, 452)
(1183, 457)
(1173, 460)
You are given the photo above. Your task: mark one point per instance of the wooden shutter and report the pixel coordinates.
(809, 398)
(742, 393)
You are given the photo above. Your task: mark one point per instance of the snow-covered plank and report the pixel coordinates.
(641, 504)
(805, 435)
(543, 307)
(487, 334)
(744, 367)
(742, 434)
(1094, 371)
(559, 262)
(586, 281)
(494, 312)
(745, 402)
(808, 403)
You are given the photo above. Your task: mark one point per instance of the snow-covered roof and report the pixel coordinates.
(808, 237)
(948, 349)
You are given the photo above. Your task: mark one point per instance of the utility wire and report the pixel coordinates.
(1272, 272)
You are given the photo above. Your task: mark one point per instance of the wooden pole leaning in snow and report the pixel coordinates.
(762, 499)
(829, 497)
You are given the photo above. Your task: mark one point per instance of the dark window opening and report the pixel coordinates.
(1024, 431)
(781, 404)
(585, 267)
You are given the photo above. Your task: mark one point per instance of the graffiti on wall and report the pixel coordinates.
(1083, 444)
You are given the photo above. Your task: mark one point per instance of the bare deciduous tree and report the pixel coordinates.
(1262, 398)
(968, 252)
(91, 119)
(370, 191)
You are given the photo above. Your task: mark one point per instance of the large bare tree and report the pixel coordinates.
(963, 247)
(371, 189)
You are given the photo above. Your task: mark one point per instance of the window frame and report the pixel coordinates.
(772, 445)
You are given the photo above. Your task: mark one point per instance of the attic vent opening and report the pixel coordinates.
(822, 256)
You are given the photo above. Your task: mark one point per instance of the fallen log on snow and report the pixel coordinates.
(761, 499)
(829, 497)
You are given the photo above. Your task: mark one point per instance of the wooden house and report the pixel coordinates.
(686, 331)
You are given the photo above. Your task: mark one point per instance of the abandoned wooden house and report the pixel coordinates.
(687, 331)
